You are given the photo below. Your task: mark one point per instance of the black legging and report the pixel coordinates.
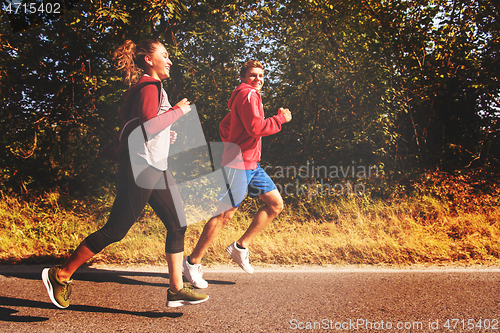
(131, 200)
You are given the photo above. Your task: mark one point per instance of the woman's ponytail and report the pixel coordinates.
(129, 58)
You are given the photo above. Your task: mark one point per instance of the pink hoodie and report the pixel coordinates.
(245, 126)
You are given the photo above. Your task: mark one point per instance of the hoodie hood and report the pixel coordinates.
(129, 95)
(244, 89)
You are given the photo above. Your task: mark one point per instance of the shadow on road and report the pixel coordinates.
(103, 275)
(6, 313)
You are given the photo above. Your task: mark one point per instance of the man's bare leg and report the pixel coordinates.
(273, 206)
(239, 249)
(210, 232)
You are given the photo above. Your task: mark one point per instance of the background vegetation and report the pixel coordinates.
(411, 87)
(445, 221)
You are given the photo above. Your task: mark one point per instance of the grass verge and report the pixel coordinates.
(422, 228)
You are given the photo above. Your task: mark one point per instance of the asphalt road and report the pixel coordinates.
(348, 299)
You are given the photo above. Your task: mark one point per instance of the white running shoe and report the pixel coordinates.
(194, 274)
(240, 256)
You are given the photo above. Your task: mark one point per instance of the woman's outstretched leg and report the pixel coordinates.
(77, 258)
(57, 280)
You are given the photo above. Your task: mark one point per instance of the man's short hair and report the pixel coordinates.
(250, 64)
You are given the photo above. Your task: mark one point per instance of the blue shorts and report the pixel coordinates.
(239, 183)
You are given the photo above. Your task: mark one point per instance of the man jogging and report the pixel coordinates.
(244, 127)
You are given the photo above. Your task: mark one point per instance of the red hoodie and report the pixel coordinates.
(245, 126)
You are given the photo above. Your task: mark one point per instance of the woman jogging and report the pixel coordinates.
(144, 66)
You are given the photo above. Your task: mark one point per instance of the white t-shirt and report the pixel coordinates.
(155, 150)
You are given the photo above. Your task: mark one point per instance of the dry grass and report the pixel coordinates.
(379, 233)
(423, 229)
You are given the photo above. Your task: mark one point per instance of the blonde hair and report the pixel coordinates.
(129, 58)
(250, 64)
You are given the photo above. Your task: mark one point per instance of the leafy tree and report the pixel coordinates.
(401, 84)
(61, 95)
(439, 49)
